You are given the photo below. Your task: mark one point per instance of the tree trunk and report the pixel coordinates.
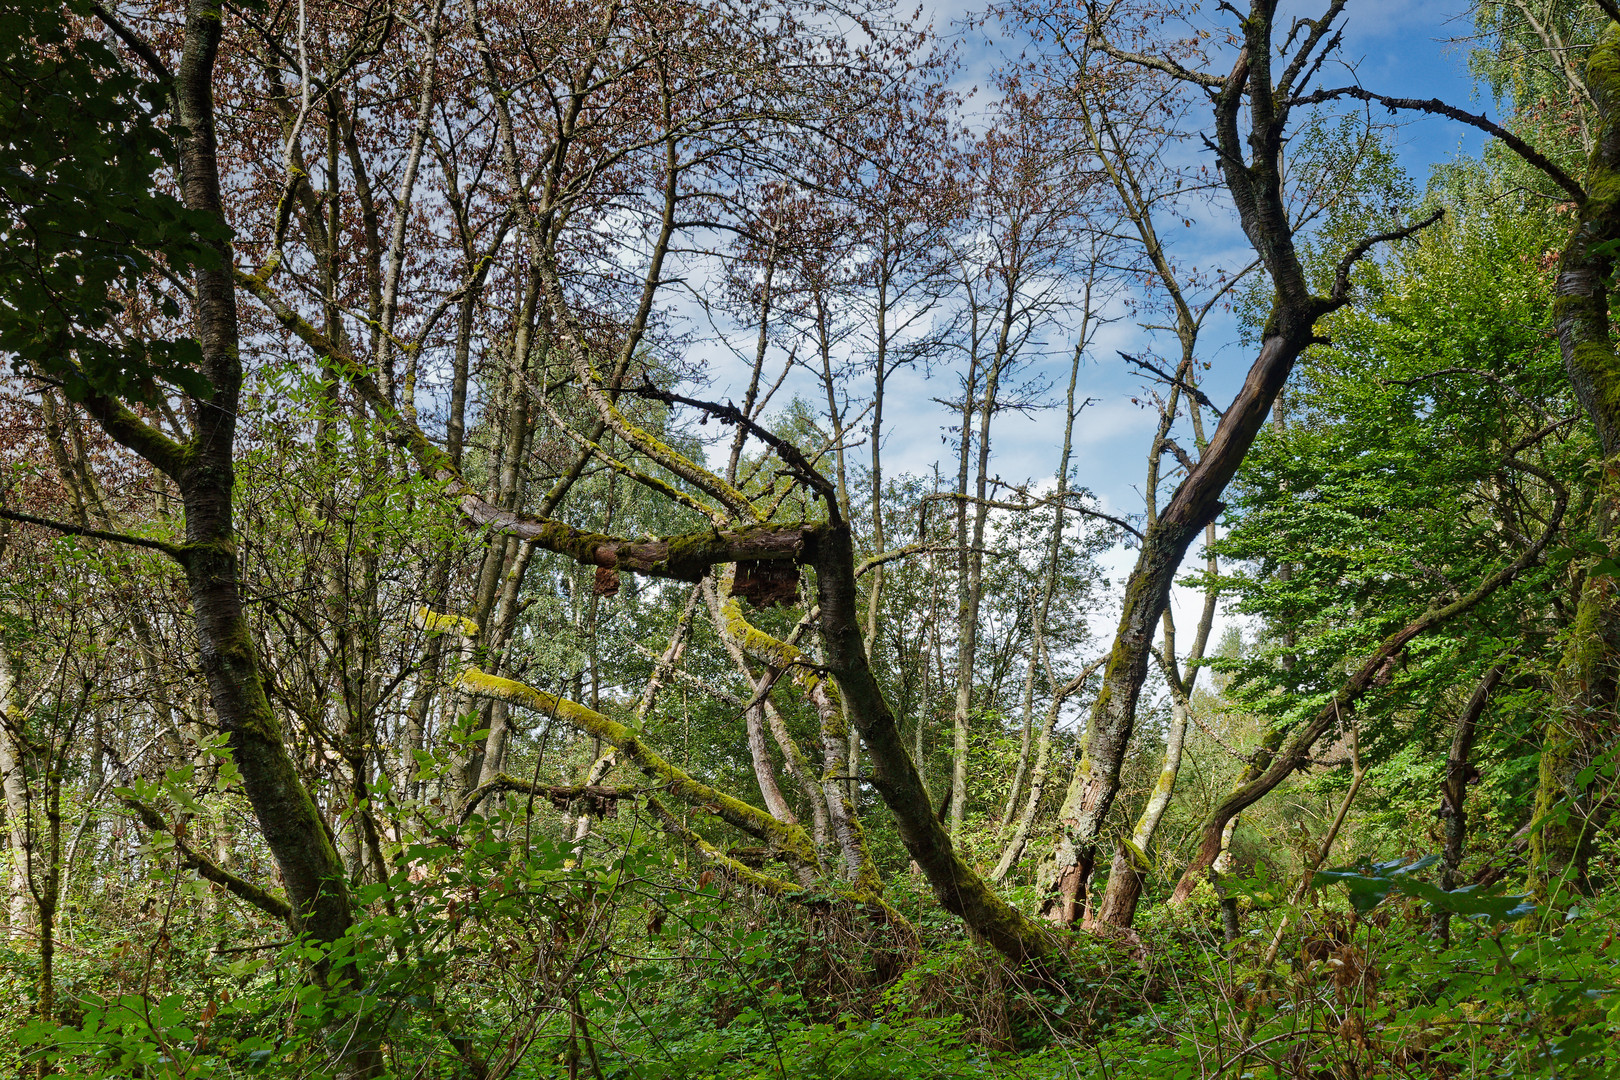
(1251, 165)
(19, 908)
(1192, 508)
(958, 888)
(1590, 675)
(1132, 862)
(967, 624)
(203, 470)
(1454, 792)
(1039, 774)
(1043, 607)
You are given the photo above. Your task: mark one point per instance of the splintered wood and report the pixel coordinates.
(768, 583)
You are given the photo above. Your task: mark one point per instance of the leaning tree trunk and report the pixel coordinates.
(203, 471)
(959, 889)
(1128, 873)
(1132, 861)
(1251, 166)
(1147, 593)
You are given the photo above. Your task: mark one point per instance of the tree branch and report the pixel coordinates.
(730, 414)
(598, 798)
(1295, 754)
(206, 868)
(1197, 394)
(1341, 273)
(1436, 107)
(137, 45)
(683, 557)
(790, 840)
(173, 551)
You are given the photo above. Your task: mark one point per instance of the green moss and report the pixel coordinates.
(1603, 70)
(791, 840)
(690, 555)
(569, 541)
(1553, 845)
(1167, 780)
(435, 622)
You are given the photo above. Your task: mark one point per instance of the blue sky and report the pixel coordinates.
(1397, 48)
(1402, 49)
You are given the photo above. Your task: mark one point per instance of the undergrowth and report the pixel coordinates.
(514, 959)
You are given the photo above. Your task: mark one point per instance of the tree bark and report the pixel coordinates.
(1590, 674)
(19, 909)
(1454, 792)
(1127, 875)
(894, 775)
(203, 470)
(1251, 166)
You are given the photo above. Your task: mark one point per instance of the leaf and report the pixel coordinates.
(1368, 884)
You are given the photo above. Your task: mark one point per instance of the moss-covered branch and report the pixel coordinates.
(598, 799)
(438, 622)
(790, 840)
(119, 421)
(736, 868)
(595, 449)
(775, 886)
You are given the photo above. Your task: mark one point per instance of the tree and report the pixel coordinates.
(1248, 145)
(204, 369)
